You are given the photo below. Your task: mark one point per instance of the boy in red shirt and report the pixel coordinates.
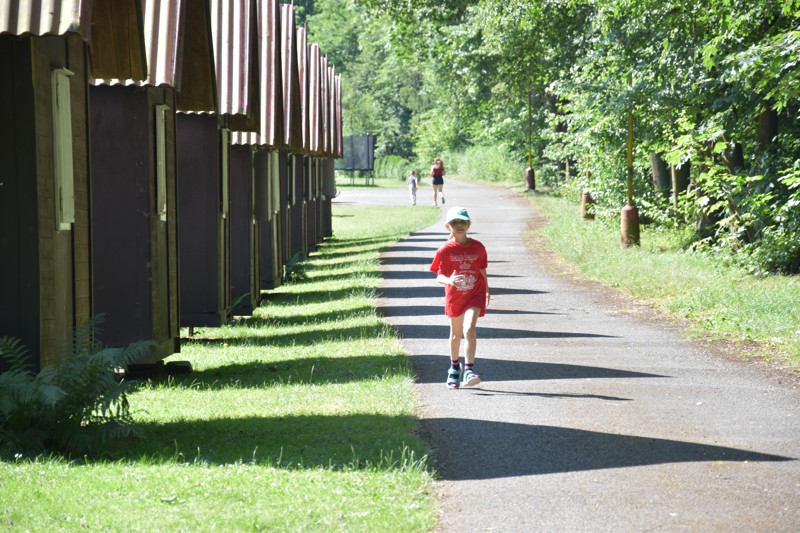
(460, 265)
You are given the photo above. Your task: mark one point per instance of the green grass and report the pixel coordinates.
(299, 418)
(343, 181)
(722, 301)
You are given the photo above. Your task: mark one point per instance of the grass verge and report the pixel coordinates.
(299, 418)
(722, 301)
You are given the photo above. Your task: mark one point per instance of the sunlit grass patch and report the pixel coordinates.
(298, 418)
(722, 301)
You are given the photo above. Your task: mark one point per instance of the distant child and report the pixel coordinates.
(460, 265)
(437, 173)
(412, 187)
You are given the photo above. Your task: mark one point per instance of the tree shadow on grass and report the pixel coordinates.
(342, 276)
(358, 250)
(300, 371)
(256, 322)
(311, 334)
(310, 294)
(497, 449)
(502, 449)
(310, 442)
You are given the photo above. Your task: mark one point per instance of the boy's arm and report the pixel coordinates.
(444, 280)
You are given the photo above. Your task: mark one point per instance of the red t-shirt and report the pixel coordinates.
(467, 259)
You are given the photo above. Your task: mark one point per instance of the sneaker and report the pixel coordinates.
(442, 200)
(470, 378)
(453, 376)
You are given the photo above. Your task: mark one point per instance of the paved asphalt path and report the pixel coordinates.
(589, 417)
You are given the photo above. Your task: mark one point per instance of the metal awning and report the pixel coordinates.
(234, 30)
(302, 72)
(270, 130)
(292, 130)
(44, 17)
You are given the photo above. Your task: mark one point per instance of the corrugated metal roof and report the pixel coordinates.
(231, 30)
(338, 123)
(116, 47)
(42, 17)
(302, 72)
(331, 144)
(189, 66)
(250, 120)
(314, 99)
(271, 102)
(178, 43)
(162, 34)
(325, 100)
(112, 29)
(292, 131)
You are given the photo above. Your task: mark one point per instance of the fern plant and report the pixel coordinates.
(295, 269)
(69, 407)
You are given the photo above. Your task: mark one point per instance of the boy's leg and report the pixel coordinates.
(454, 372)
(469, 377)
(469, 327)
(456, 332)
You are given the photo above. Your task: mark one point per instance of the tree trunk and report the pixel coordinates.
(680, 177)
(680, 181)
(563, 165)
(734, 158)
(767, 126)
(661, 174)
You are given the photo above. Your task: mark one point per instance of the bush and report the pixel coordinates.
(392, 167)
(486, 163)
(69, 407)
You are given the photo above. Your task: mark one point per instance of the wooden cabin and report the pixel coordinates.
(266, 141)
(234, 27)
(203, 156)
(46, 60)
(134, 168)
(292, 137)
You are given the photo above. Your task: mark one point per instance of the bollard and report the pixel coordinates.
(586, 202)
(629, 227)
(530, 180)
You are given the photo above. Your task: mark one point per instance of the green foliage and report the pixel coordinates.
(492, 164)
(70, 407)
(712, 86)
(295, 270)
(393, 167)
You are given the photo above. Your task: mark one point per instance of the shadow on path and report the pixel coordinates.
(443, 332)
(431, 368)
(426, 310)
(526, 450)
(493, 392)
(434, 291)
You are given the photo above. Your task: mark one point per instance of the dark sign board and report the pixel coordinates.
(358, 153)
